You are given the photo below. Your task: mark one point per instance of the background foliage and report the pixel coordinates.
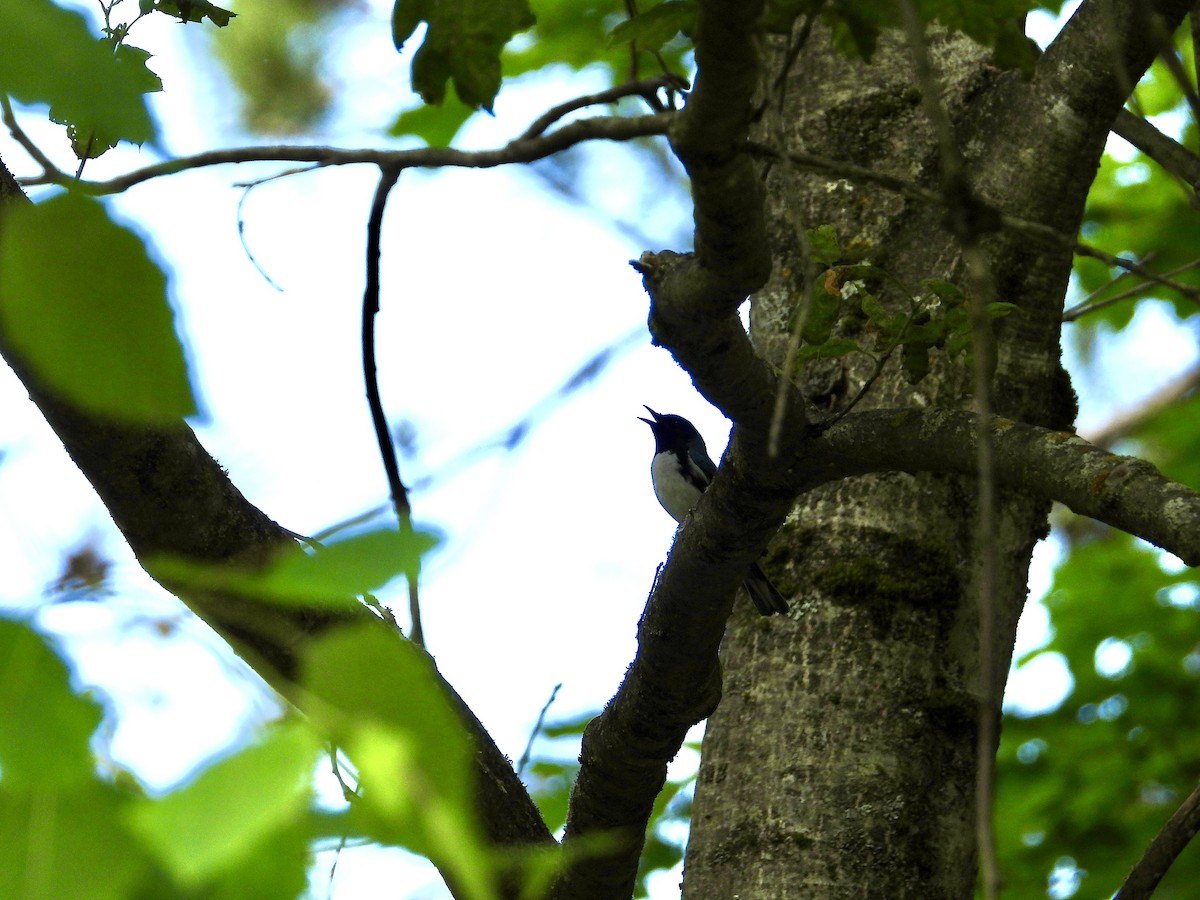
(1084, 782)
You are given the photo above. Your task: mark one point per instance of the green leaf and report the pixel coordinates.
(780, 14)
(57, 61)
(463, 44)
(823, 246)
(45, 728)
(437, 126)
(999, 310)
(215, 822)
(827, 350)
(90, 140)
(381, 699)
(823, 311)
(654, 27)
(330, 575)
(946, 291)
(194, 11)
(72, 843)
(82, 301)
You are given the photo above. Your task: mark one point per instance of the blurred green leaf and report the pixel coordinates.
(999, 310)
(462, 44)
(194, 11)
(1094, 779)
(45, 728)
(1171, 441)
(824, 310)
(949, 293)
(654, 27)
(69, 844)
(220, 818)
(82, 301)
(831, 349)
(857, 24)
(437, 126)
(58, 61)
(824, 249)
(381, 699)
(332, 574)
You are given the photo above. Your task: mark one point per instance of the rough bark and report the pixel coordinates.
(841, 760)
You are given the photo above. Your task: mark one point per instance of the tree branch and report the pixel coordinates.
(647, 88)
(694, 298)
(1167, 152)
(170, 498)
(1121, 491)
(1144, 877)
(520, 150)
(674, 681)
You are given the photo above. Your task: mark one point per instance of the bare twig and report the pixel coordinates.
(1148, 871)
(387, 450)
(248, 186)
(520, 150)
(646, 88)
(537, 729)
(1192, 292)
(19, 135)
(779, 87)
(1090, 305)
(1115, 280)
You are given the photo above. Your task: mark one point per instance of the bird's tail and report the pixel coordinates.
(766, 597)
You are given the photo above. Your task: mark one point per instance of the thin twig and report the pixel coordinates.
(537, 729)
(247, 187)
(968, 220)
(1192, 292)
(1148, 871)
(520, 150)
(387, 450)
(1090, 306)
(19, 135)
(1116, 279)
(647, 87)
(775, 431)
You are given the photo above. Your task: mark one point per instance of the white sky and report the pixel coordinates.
(493, 294)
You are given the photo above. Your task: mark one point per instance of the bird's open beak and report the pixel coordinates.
(650, 422)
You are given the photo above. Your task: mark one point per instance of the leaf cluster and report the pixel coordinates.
(244, 827)
(845, 315)
(1093, 780)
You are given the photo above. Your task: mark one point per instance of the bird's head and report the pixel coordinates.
(672, 432)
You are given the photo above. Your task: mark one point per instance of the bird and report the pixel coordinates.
(680, 471)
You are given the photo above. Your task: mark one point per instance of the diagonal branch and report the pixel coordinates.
(1163, 850)
(170, 498)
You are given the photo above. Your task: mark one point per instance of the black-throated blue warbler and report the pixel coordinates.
(681, 470)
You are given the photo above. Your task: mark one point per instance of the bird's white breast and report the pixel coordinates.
(676, 495)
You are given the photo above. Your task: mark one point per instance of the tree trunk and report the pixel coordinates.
(841, 761)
